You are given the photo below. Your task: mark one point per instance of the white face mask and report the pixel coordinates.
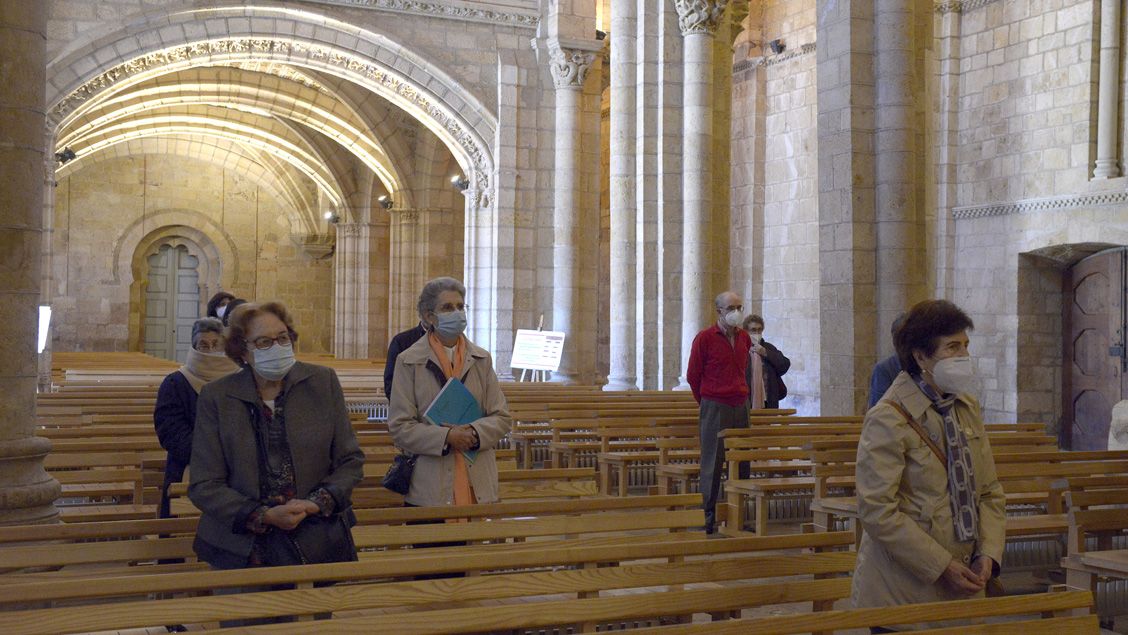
(955, 375)
(734, 317)
(756, 337)
(221, 311)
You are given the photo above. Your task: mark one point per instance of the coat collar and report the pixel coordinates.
(243, 382)
(420, 352)
(910, 396)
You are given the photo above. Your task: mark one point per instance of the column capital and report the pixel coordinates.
(570, 62)
(699, 16)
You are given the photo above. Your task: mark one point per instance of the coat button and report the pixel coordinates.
(934, 436)
(967, 559)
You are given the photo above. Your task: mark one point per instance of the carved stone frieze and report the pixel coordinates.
(700, 16)
(442, 10)
(961, 6)
(569, 66)
(1054, 203)
(208, 52)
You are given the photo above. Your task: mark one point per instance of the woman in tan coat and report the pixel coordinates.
(443, 475)
(930, 504)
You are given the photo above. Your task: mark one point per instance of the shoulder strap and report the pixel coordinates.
(919, 430)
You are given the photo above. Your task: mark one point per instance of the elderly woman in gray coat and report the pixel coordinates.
(443, 476)
(273, 450)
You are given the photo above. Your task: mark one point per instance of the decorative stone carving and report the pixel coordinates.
(569, 66)
(961, 6)
(208, 52)
(1055, 203)
(699, 16)
(771, 60)
(442, 10)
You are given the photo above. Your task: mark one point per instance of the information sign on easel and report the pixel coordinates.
(537, 351)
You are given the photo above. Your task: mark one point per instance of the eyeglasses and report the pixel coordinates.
(208, 347)
(450, 306)
(264, 342)
(734, 307)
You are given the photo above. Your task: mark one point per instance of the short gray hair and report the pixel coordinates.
(719, 301)
(205, 325)
(429, 296)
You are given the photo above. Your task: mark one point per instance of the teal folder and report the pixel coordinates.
(454, 404)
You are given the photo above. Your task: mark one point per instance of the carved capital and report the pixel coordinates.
(569, 66)
(700, 16)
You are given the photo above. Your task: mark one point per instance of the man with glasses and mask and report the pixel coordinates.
(718, 361)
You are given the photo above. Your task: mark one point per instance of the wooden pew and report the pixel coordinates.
(719, 561)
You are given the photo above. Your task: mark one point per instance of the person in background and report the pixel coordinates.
(886, 370)
(931, 507)
(272, 450)
(443, 475)
(718, 362)
(231, 306)
(174, 416)
(217, 306)
(766, 367)
(400, 343)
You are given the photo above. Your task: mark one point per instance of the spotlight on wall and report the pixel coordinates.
(460, 182)
(384, 201)
(600, 35)
(331, 217)
(777, 46)
(66, 155)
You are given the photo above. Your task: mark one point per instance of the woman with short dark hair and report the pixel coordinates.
(274, 456)
(931, 506)
(217, 305)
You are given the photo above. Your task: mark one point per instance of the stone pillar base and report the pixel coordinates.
(27, 492)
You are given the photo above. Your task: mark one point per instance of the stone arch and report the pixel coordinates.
(187, 36)
(198, 244)
(190, 224)
(160, 43)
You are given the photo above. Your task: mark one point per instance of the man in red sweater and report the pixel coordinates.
(717, 363)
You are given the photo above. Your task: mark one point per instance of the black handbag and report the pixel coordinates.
(316, 540)
(398, 476)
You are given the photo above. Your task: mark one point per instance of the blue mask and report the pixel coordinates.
(274, 362)
(450, 325)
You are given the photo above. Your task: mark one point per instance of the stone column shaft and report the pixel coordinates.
(698, 21)
(27, 492)
(623, 202)
(899, 162)
(1107, 165)
(573, 252)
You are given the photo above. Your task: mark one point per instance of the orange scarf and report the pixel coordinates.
(463, 492)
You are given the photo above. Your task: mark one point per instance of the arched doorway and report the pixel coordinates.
(172, 302)
(1095, 325)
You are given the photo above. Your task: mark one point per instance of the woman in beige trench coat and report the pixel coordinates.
(421, 371)
(919, 546)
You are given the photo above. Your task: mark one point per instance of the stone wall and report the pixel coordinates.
(775, 252)
(104, 213)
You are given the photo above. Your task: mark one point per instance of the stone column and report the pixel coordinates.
(575, 228)
(27, 492)
(846, 203)
(623, 276)
(698, 22)
(898, 137)
(1108, 86)
(408, 269)
(350, 260)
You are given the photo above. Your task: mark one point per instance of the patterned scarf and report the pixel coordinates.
(961, 476)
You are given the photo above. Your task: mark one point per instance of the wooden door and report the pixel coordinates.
(1094, 326)
(171, 303)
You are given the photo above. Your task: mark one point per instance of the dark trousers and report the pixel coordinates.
(716, 416)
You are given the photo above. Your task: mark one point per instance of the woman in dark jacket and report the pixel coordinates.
(175, 414)
(274, 456)
(773, 366)
(217, 305)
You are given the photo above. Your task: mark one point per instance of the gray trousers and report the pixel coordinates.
(716, 416)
